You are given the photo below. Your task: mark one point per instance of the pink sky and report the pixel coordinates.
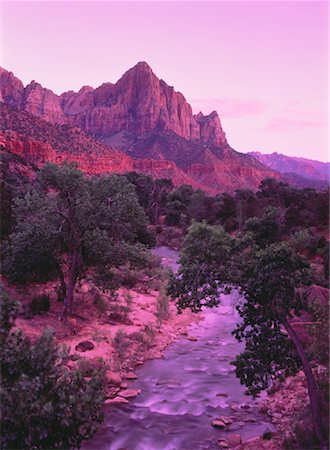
(262, 65)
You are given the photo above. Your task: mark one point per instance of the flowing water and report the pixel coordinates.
(183, 392)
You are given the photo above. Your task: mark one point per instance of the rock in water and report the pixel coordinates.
(129, 393)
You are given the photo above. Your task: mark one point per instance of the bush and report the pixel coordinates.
(91, 367)
(44, 404)
(40, 304)
(121, 344)
(100, 303)
(163, 307)
(150, 333)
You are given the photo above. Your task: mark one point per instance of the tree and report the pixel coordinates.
(67, 222)
(159, 195)
(268, 279)
(44, 404)
(267, 228)
(204, 255)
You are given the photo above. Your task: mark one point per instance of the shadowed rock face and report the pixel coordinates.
(139, 115)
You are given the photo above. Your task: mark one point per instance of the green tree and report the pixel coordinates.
(43, 404)
(268, 279)
(267, 228)
(203, 259)
(67, 222)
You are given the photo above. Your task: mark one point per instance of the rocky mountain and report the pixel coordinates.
(138, 122)
(39, 141)
(139, 103)
(35, 141)
(307, 168)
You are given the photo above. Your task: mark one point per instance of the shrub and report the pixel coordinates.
(100, 302)
(319, 332)
(150, 333)
(91, 367)
(121, 344)
(44, 404)
(40, 304)
(163, 307)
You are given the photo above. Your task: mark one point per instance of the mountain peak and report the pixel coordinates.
(142, 65)
(141, 69)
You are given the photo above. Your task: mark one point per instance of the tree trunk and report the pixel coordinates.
(74, 262)
(312, 387)
(63, 285)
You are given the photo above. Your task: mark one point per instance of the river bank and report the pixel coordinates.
(190, 398)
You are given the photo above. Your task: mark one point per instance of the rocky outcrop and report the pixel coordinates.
(43, 103)
(38, 142)
(211, 129)
(139, 102)
(11, 88)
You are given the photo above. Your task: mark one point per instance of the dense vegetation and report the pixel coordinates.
(60, 224)
(66, 222)
(43, 404)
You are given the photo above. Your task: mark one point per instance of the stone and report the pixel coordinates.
(116, 400)
(276, 415)
(226, 420)
(130, 393)
(130, 376)
(245, 406)
(113, 378)
(192, 338)
(218, 424)
(222, 443)
(234, 440)
(235, 407)
(84, 346)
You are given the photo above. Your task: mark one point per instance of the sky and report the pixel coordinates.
(262, 65)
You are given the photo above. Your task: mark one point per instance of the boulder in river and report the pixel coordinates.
(218, 424)
(130, 393)
(192, 338)
(116, 400)
(130, 376)
(226, 420)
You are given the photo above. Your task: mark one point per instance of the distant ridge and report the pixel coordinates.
(308, 168)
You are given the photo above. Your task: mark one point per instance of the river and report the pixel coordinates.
(186, 390)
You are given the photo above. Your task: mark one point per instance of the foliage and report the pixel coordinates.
(163, 307)
(205, 253)
(319, 332)
(91, 367)
(65, 218)
(265, 229)
(44, 404)
(121, 344)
